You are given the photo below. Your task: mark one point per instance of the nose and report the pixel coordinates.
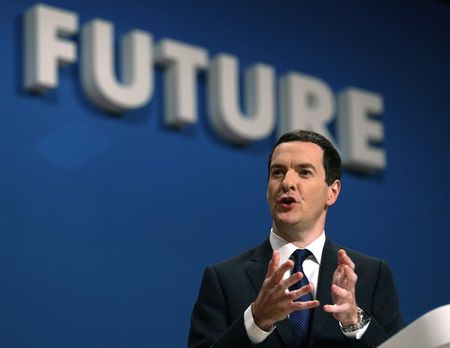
(289, 181)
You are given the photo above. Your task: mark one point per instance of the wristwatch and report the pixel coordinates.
(364, 319)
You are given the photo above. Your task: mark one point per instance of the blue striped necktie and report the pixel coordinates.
(300, 319)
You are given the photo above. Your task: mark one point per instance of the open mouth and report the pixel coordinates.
(286, 201)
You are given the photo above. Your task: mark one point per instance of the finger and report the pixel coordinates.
(349, 261)
(338, 274)
(299, 305)
(351, 276)
(345, 277)
(344, 259)
(340, 292)
(278, 275)
(293, 279)
(337, 308)
(295, 294)
(273, 264)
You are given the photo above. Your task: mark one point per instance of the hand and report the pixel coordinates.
(344, 308)
(275, 302)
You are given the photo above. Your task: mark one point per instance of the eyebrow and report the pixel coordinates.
(298, 166)
(306, 166)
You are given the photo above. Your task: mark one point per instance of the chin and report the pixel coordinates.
(288, 216)
(287, 221)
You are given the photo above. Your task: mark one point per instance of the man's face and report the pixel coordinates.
(297, 193)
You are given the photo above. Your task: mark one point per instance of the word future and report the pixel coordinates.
(305, 101)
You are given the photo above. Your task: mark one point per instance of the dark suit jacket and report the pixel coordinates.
(228, 288)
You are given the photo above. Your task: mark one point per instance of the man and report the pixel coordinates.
(297, 289)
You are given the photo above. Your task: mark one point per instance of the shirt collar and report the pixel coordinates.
(286, 249)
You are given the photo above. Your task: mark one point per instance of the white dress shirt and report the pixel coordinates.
(311, 267)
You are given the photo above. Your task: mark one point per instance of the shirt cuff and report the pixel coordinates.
(255, 334)
(358, 333)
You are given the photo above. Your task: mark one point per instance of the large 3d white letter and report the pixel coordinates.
(181, 61)
(223, 100)
(43, 47)
(305, 103)
(97, 67)
(358, 131)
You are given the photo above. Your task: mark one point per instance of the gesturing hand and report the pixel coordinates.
(275, 302)
(343, 285)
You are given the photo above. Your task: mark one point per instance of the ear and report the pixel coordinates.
(333, 192)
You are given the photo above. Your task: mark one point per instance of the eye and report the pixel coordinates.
(276, 172)
(305, 172)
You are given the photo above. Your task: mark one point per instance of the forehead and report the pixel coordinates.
(298, 152)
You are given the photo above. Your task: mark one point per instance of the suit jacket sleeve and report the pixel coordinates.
(375, 293)
(210, 323)
(384, 309)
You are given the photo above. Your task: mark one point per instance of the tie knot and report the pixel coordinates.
(300, 255)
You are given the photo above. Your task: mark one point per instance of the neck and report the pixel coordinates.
(297, 236)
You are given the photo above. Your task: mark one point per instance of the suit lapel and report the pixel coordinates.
(259, 262)
(328, 265)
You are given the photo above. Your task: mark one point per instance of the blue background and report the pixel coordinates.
(106, 223)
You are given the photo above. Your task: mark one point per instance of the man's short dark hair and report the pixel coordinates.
(331, 159)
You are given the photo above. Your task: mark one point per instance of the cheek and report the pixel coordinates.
(270, 192)
(317, 191)
(269, 195)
